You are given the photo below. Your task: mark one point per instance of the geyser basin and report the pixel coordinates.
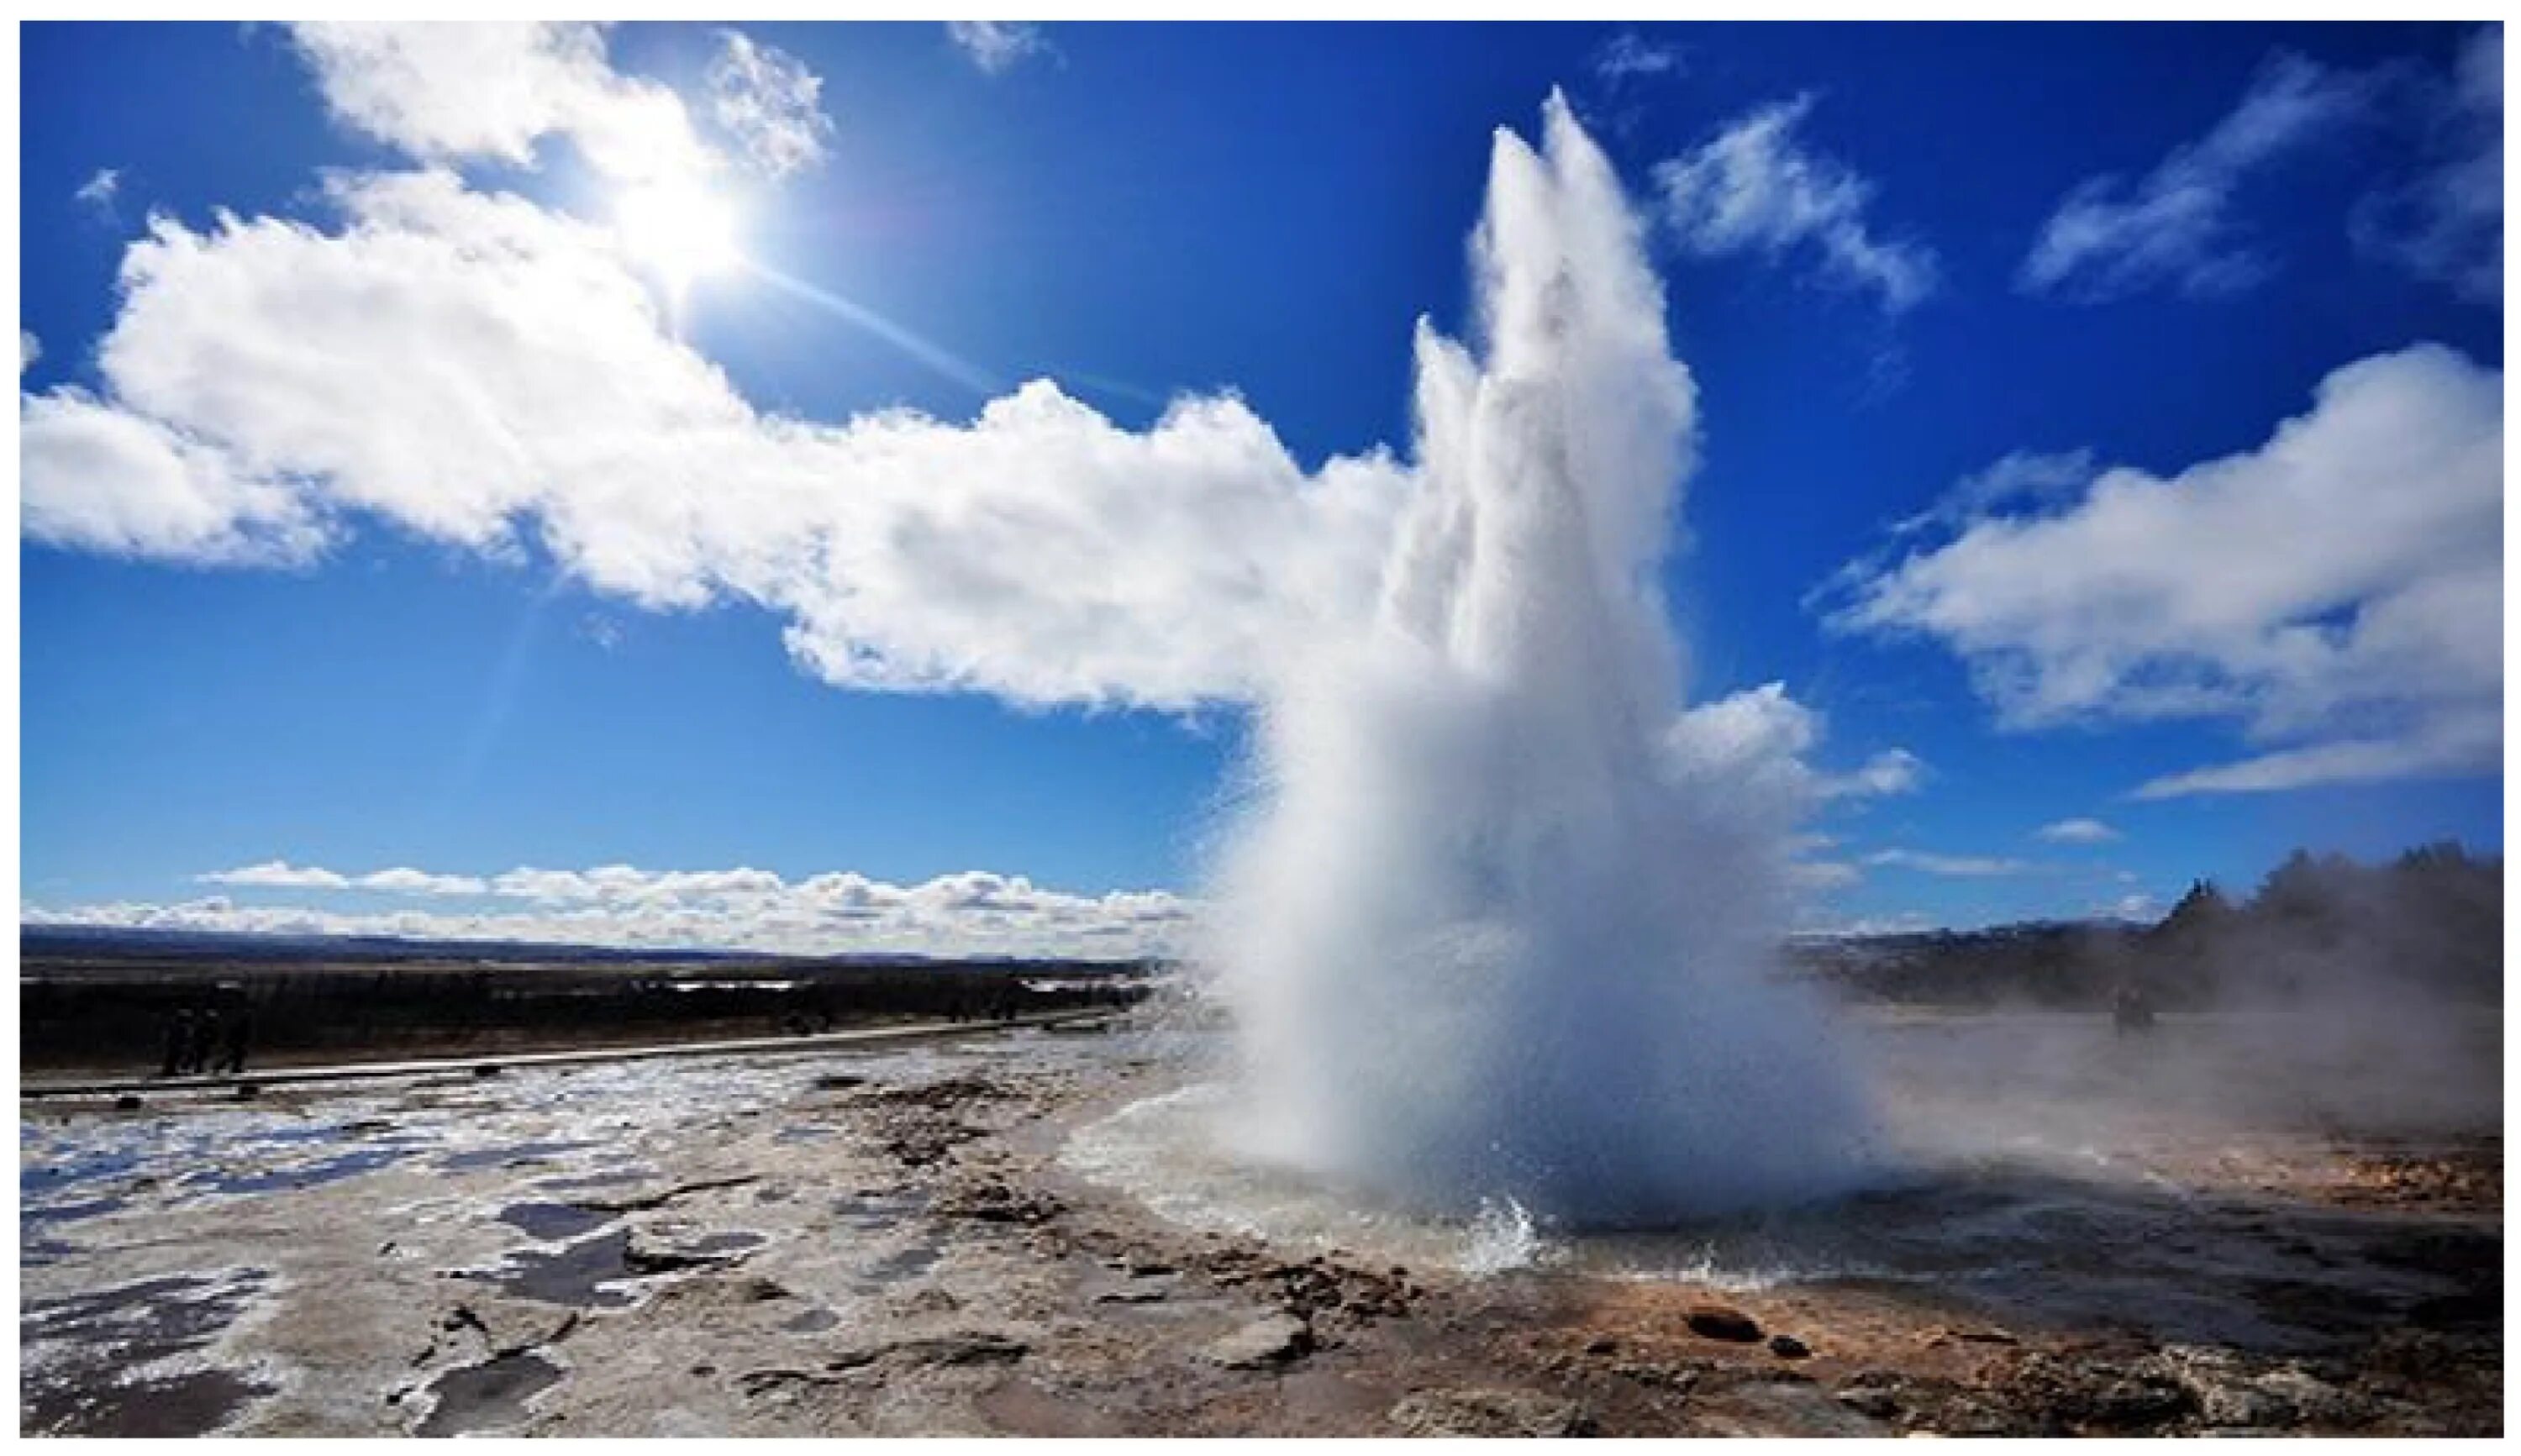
(1501, 925)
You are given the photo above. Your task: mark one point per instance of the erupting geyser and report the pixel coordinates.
(1502, 924)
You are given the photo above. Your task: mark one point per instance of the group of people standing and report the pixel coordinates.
(206, 1041)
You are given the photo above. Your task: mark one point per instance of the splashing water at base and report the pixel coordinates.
(1499, 933)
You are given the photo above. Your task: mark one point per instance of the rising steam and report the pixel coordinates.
(1496, 931)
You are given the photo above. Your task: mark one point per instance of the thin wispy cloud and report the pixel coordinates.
(2078, 832)
(997, 47)
(2446, 222)
(1756, 187)
(2175, 227)
(98, 192)
(2356, 637)
(1962, 866)
(1628, 57)
(770, 103)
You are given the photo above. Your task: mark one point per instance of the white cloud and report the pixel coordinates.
(2023, 478)
(95, 478)
(278, 874)
(2337, 592)
(2078, 832)
(1967, 866)
(1752, 748)
(1822, 875)
(99, 191)
(445, 91)
(971, 913)
(1893, 771)
(998, 46)
(1759, 740)
(419, 882)
(2457, 744)
(1629, 56)
(2174, 227)
(265, 370)
(770, 103)
(2447, 222)
(30, 350)
(1755, 188)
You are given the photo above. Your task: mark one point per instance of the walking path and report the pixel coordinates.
(487, 1063)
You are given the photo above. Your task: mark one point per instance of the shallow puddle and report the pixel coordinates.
(488, 1396)
(76, 1355)
(553, 1223)
(508, 1156)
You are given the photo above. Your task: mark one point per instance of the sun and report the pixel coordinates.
(682, 231)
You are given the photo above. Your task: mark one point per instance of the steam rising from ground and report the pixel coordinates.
(1495, 930)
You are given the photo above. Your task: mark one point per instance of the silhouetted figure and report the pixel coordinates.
(2130, 1010)
(197, 1047)
(239, 1034)
(179, 1041)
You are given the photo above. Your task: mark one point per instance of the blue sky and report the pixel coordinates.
(422, 517)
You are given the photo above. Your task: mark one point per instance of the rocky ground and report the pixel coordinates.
(889, 1244)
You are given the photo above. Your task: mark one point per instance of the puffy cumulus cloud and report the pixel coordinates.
(1755, 188)
(2078, 832)
(1966, 866)
(477, 370)
(95, 478)
(769, 103)
(1761, 739)
(998, 46)
(2336, 592)
(2447, 221)
(444, 92)
(1752, 749)
(971, 913)
(2175, 226)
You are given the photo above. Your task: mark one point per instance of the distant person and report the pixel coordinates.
(197, 1047)
(2130, 1010)
(238, 1036)
(179, 1041)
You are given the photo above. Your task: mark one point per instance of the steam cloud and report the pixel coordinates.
(1496, 931)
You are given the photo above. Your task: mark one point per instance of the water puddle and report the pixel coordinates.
(901, 1264)
(592, 1272)
(581, 1275)
(490, 1395)
(78, 1358)
(553, 1223)
(300, 1175)
(511, 1155)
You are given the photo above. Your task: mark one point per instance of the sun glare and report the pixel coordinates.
(680, 231)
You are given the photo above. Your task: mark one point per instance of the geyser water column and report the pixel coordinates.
(1502, 923)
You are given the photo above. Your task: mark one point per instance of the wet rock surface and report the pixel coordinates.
(645, 1252)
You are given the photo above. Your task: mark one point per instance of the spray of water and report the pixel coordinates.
(1494, 933)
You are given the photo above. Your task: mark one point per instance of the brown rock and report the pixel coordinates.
(1722, 1322)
